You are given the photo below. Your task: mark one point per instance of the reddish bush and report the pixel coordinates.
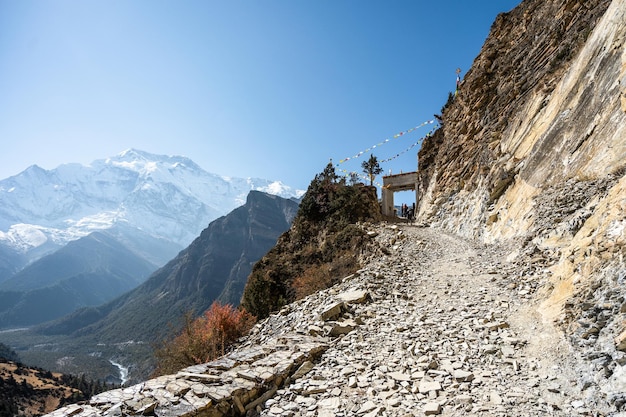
(203, 339)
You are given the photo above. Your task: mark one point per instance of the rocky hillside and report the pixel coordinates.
(27, 391)
(321, 246)
(540, 98)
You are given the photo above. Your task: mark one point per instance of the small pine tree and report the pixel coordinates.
(371, 167)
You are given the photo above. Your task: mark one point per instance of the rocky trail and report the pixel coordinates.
(432, 325)
(448, 330)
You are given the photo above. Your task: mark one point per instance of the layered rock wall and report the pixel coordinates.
(534, 148)
(541, 104)
(541, 109)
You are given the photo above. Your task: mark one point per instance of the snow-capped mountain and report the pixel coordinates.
(167, 197)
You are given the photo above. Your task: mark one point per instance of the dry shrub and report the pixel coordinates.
(313, 279)
(321, 276)
(203, 339)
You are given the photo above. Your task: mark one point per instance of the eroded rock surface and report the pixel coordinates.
(532, 149)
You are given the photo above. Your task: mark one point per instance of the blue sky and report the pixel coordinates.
(266, 88)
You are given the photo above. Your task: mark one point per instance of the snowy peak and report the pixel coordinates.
(145, 163)
(168, 197)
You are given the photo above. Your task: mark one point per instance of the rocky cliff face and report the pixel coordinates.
(539, 100)
(533, 149)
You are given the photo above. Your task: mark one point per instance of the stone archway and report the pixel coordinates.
(396, 183)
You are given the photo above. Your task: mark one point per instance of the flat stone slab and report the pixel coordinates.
(431, 409)
(331, 311)
(462, 376)
(428, 386)
(354, 297)
(400, 376)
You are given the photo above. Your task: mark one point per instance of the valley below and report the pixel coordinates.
(116, 363)
(114, 342)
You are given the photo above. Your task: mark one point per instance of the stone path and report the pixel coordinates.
(447, 331)
(435, 339)
(431, 326)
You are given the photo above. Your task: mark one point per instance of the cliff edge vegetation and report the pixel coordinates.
(320, 248)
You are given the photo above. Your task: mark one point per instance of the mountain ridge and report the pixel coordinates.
(214, 267)
(170, 197)
(47, 271)
(150, 205)
(86, 272)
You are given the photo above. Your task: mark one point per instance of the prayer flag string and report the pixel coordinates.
(419, 142)
(397, 135)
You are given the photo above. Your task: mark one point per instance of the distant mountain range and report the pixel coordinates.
(79, 235)
(215, 266)
(168, 197)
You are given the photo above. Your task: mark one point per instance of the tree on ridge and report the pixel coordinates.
(371, 167)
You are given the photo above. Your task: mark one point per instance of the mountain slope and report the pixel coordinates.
(89, 271)
(95, 252)
(11, 261)
(214, 267)
(530, 157)
(320, 247)
(27, 391)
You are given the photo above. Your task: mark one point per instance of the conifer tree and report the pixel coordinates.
(371, 167)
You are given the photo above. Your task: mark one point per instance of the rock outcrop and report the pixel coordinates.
(540, 105)
(321, 246)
